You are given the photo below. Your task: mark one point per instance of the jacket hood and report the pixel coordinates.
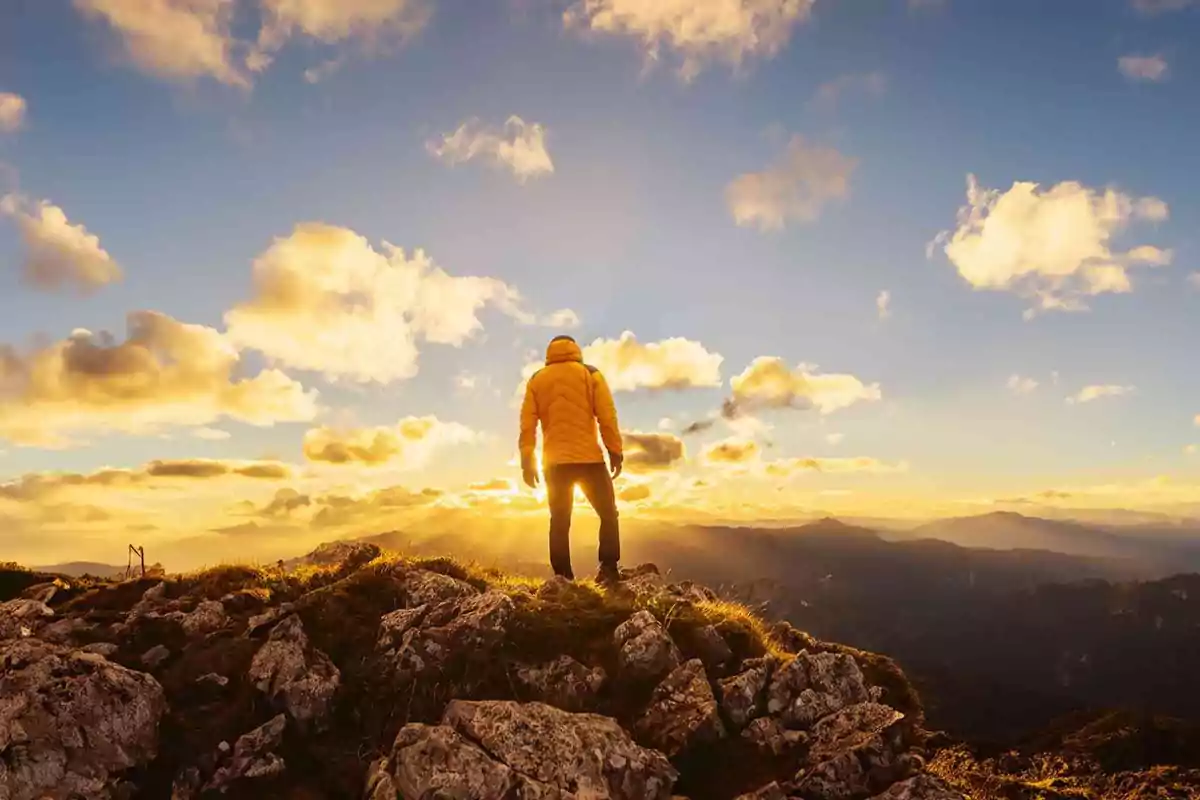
(561, 350)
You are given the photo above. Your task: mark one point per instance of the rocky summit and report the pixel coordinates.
(355, 674)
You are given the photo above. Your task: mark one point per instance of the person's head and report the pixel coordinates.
(563, 338)
(563, 348)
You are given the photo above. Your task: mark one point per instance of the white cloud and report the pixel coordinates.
(699, 31)
(768, 382)
(165, 373)
(1021, 385)
(178, 40)
(60, 254)
(1089, 393)
(834, 438)
(1144, 68)
(519, 147)
(870, 83)
(1161, 6)
(409, 443)
(12, 112)
(563, 318)
(1194, 280)
(211, 434)
(1054, 246)
(674, 363)
(374, 23)
(326, 300)
(794, 189)
(883, 304)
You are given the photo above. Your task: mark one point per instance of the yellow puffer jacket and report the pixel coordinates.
(568, 398)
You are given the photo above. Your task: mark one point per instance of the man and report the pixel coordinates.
(569, 398)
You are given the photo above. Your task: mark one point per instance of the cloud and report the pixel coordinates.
(325, 300)
(1144, 68)
(408, 443)
(836, 466)
(1089, 393)
(211, 434)
(60, 255)
(338, 510)
(870, 83)
(1020, 385)
(674, 363)
(1051, 246)
(768, 382)
(177, 40)
(834, 438)
(646, 452)
(41, 486)
(563, 318)
(1194, 280)
(1161, 6)
(375, 23)
(12, 112)
(634, 492)
(165, 373)
(883, 304)
(699, 426)
(732, 451)
(519, 147)
(208, 468)
(794, 189)
(493, 485)
(285, 503)
(699, 31)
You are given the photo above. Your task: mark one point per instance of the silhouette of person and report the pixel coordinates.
(570, 399)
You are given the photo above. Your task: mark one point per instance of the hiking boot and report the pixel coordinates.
(608, 575)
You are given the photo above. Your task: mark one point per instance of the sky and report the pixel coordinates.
(274, 271)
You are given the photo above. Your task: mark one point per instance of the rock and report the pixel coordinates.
(71, 720)
(268, 618)
(563, 683)
(155, 656)
(155, 570)
(851, 727)
(468, 628)
(711, 647)
(297, 677)
(791, 639)
(349, 555)
(253, 756)
(852, 749)
(682, 712)
(21, 618)
(582, 755)
(646, 651)
(212, 681)
(769, 736)
(155, 596)
(742, 695)
(772, 791)
(393, 626)
(104, 649)
(839, 778)
(64, 631)
(207, 617)
(810, 687)
(422, 587)
(922, 787)
(43, 592)
(436, 761)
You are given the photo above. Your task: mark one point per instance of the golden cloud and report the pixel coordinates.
(165, 373)
(674, 363)
(373, 22)
(861, 464)
(60, 255)
(700, 31)
(1089, 393)
(646, 452)
(768, 382)
(1052, 246)
(39, 486)
(518, 146)
(493, 485)
(794, 189)
(732, 451)
(410, 442)
(338, 510)
(634, 493)
(12, 112)
(326, 301)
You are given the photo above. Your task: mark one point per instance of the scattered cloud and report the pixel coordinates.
(1161, 6)
(1052, 246)
(519, 147)
(1021, 385)
(1144, 68)
(1194, 280)
(698, 31)
(325, 300)
(59, 255)
(834, 438)
(791, 466)
(732, 451)
(675, 363)
(374, 23)
(12, 112)
(42, 486)
(408, 443)
(211, 434)
(338, 510)
(1089, 393)
(883, 304)
(634, 493)
(493, 485)
(165, 373)
(770, 383)
(796, 188)
(206, 468)
(869, 83)
(646, 452)
(563, 318)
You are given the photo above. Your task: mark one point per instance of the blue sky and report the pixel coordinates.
(186, 181)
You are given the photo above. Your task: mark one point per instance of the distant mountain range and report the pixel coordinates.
(77, 569)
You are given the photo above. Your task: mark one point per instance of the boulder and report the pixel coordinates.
(743, 695)
(43, 592)
(155, 656)
(105, 649)
(469, 629)
(65, 631)
(851, 751)
(297, 677)
(563, 683)
(268, 618)
(586, 755)
(70, 721)
(207, 617)
(772, 791)
(152, 598)
(810, 687)
(348, 555)
(711, 647)
(253, 756)
(21, 618)
(393, 626)
(769, 736)
(429, 761)
(922, 787)
(645, 650)
(682, 712)
(422, 587)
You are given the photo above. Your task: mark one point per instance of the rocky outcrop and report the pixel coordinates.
(424, 587)
(21, 618)
(252, 757)
(682, 712)
(921, 787)
(436, 761)
(348, 555)
(854, 753)
(810, 687)
(298, 678)
(207, 617)
(457, 629)
(743, 695)
(645, 652)
(563, 683)
(71, 722)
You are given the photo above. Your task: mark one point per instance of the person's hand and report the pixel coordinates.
(616, 460)
(529, 474)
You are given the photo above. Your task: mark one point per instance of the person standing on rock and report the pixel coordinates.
(570, 399)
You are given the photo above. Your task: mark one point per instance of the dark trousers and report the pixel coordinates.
(597, 487)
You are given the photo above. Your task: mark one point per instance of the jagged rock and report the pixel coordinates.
(585, 755)
(646, 651)
(810, 687)
(682, 712)
(64, 631)
(350, 555)
(253, 756)
(922, 787)
(21, 618)
(711, 647)
(105, 649)
(297, 677)
(393, 626)
(43, 592)
(69, 720)
(791, 639)
(467, 628)
(424, 587)
(852, 727)
(563, 683)
(155, 656)
(429, 761)
(772, 791)
(841, 777)
(268, 618)
(742, 695)
(156, 595)
(769, 736)
(207, 617)
(849, 749)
